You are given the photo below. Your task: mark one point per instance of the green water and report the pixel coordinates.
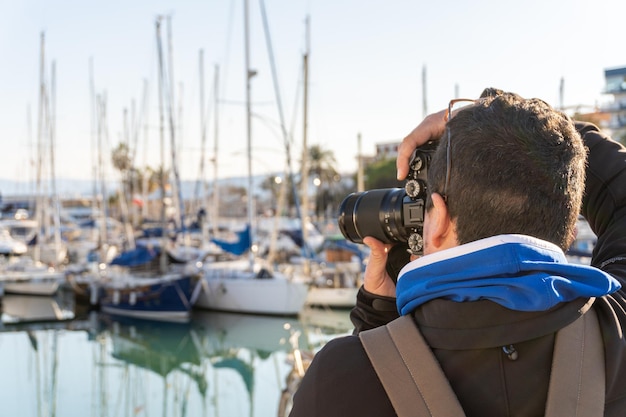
(219, 364)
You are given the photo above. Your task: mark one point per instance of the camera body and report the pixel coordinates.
(391, 215)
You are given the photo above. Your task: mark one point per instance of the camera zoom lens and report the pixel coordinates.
(376, 213)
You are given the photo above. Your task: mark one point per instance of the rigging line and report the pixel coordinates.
(274, 77)
(280, 108)
(227, 48)
(140, 119)
(205, 118)
(297, 98)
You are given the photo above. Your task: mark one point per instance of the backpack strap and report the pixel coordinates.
(577, 381)
(409, 372)
(417, 386)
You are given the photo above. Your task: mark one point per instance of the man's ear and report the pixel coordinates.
(442, 229)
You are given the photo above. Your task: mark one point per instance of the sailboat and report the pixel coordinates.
(133, 286)
(333, 280)
(36, 274)
(247, 285)
(236, 287)
(146, 281)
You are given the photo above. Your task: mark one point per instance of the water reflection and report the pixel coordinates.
(159, 347)
(218, 364)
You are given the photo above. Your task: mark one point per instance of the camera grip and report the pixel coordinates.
(397, 258)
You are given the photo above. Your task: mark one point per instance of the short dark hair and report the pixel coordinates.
(517, 166)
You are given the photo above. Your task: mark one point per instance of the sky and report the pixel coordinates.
(366, 66)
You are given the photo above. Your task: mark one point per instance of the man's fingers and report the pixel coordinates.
(432, 127)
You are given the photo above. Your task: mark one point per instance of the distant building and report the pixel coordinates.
(387, 150)
(615, 79)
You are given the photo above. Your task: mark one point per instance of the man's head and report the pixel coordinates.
(516, 166)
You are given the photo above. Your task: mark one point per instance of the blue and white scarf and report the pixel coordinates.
(518, 272)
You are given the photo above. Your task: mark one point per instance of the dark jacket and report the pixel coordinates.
(473, 341)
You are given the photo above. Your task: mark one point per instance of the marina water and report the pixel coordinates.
(218, 364)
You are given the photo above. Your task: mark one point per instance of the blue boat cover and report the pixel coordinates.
(238, 247)
(136, 257)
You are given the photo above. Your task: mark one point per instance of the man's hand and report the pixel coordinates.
(432, 127)
(376, 280)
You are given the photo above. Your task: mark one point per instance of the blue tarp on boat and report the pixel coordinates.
(238, 247)
(136, 257)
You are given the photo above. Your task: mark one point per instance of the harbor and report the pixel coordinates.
(174, 325)
(175, 179)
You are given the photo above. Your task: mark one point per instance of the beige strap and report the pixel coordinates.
(409, 371)
(577, 382)
(417, 386)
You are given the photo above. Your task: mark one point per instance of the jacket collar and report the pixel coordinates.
(518, 272)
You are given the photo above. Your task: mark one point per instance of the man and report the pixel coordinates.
(506, 185)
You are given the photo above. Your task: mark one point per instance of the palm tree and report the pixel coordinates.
(135, 180)
(322, 164)
(322, 169)
(121, 158)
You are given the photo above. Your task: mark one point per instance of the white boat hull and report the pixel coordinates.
(240, 291)
(32, 283)
(45, 288)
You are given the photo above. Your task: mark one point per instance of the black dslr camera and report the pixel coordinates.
(391, 215)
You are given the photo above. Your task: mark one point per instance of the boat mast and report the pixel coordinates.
(176, 186)
(249, 74)
(424, 95)
(360, 177)
(125, 178)
(305, 156)
(39, 213)
(102, 137)
(199, 203)
(216, 201)
(146, 179)
(94, 147)
(55, 197)
(163, 259)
